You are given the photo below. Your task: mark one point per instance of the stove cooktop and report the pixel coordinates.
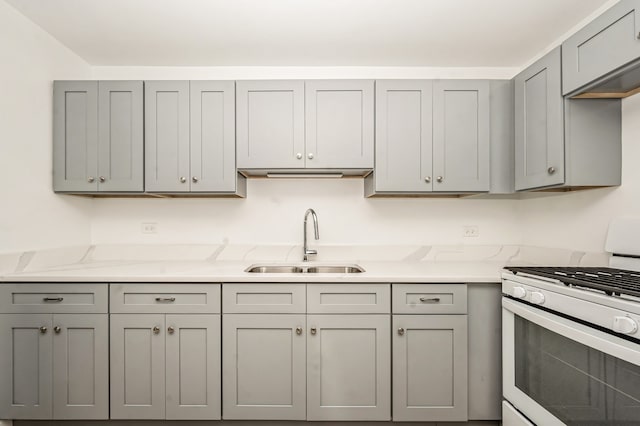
(613, 282)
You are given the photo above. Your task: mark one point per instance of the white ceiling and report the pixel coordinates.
(447, 33)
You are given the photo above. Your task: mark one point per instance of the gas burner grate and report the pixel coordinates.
(609, 280)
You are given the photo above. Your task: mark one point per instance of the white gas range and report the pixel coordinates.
(571, 340)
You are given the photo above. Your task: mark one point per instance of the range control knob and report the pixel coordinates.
(624, 325)
(537, 298)
(519, 292)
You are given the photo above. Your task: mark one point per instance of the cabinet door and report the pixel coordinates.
(461, 135)
(81, 366)
(166, 136)
(339, 124)
(263, 358)
(75, 136)
(25, 366)
(120, 136)
(137, 366)
(213, 136)
(193, 367)
(608, 42)
(539, 124)
(404, 137)
(430, 368)
(348, 367)
(270, 124)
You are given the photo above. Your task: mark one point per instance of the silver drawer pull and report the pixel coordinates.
(165, 299)
(53, 299)
(430, 300)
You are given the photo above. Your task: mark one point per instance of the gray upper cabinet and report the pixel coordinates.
(97, 136)
(563, 143)
(339, 124)
(539, 124)
(461, 135)
(75, 136)
(435, 136)
(404, 137)
(213, 136)
(270, 124)
(167, 136)
(120, 136)
(604, 45)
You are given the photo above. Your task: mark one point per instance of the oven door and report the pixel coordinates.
(557, 371)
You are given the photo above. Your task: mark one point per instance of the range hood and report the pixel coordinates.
(305, 173)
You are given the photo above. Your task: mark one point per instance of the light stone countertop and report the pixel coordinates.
(227, 263)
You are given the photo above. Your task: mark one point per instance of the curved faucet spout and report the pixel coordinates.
(308, 252)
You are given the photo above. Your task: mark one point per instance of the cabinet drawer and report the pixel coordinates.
(74, 298)
(348, 298)
(429, 299)
(263, 298)
(165, 298)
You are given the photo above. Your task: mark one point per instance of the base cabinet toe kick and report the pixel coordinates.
(255, 352)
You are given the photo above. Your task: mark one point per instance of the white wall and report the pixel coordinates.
(579, 220)
(273, 209)
(31, 215)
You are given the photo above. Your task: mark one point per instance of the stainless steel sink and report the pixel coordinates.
(304, 269)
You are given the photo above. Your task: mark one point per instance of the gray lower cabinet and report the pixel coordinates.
(264, 359)
(165, 366)
(348, 367)
(190, 137)
(607, 43)
(563, 143)
(54, 366)
(98, 136)
(430, 368)
(432, 136)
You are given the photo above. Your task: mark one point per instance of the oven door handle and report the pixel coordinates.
(604, 342)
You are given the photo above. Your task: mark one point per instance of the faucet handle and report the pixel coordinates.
(309, 251)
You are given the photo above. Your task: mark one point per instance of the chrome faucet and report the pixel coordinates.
(307, 252)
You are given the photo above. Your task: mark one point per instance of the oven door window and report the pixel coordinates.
(577, 384)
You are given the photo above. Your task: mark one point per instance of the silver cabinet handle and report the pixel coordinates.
(401, 331)
(57, 329)
(439, 179)
(165, 299)
(156, 330)
(313, 330)
(53, 299)
(298, 330)
(195, 179)
(102, 179)
(91, 179)
(171, 330)
(183, 179)
(551, 170)
(427, 179)
(299, 156)
(430, 299)
(43, 330)
(310, 156)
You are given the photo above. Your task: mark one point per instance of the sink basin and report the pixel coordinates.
(304, 269)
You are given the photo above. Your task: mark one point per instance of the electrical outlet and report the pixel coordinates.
(470, 231)
(149, 228)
